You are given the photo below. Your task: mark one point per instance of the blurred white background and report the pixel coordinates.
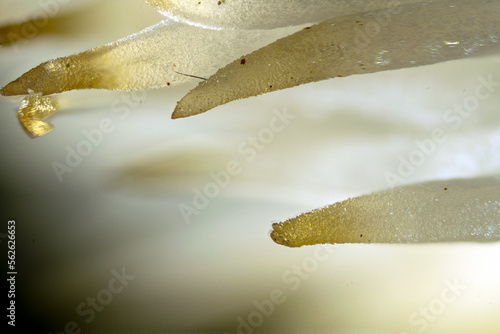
(120, 206)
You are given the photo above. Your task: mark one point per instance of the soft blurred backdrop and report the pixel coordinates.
(118, 212)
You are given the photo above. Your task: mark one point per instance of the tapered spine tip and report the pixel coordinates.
(13, 88)
(176, 114)
(181, 112)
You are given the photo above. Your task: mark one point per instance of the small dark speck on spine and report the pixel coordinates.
(243, 61)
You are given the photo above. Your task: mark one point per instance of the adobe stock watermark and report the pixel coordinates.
(425, 315)
(31, 28)
(453, 118)
(292, 278)
(92, 138)
(87, 309)
(248, 151)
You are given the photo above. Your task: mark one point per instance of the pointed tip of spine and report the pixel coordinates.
(279, 236)
(181, 111)
(13, 88)
(176, 114)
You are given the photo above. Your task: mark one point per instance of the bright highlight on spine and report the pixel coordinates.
(244, 14)
(460, 210)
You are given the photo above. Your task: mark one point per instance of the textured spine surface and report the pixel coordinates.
(460, 210)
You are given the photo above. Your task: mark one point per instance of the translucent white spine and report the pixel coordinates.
(258, 14)
(460, 210)
(399, 37)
